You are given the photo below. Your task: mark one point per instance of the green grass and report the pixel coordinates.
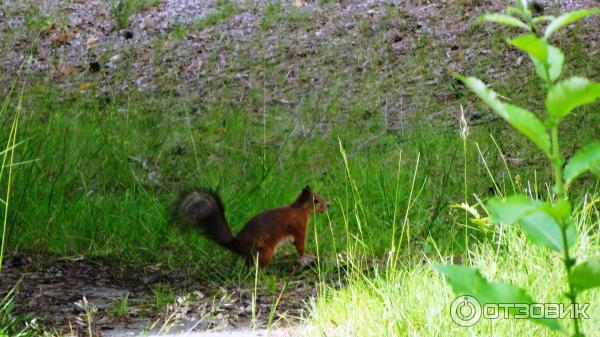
(120, 308)
(415, 300)
(133, 157)
(122, 10)
(163, 295)
(12, 325)
(102, 171)
(271, 15)
(400, 297)
(223, 10)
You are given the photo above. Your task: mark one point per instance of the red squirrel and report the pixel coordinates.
(203, 210)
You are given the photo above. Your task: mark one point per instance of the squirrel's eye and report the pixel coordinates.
(316, 201)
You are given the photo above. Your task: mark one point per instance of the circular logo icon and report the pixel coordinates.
(465, 310)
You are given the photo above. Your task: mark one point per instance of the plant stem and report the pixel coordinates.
(572, 295)
(465, 193)
(557, 162)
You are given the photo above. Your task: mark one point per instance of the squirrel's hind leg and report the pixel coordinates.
(265, 254)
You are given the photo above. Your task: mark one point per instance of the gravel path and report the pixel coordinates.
(168, 47)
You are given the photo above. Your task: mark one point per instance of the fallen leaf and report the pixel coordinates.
(62, 70)
(60, 38)
(87, 86)
(91, 41)
(48, 27)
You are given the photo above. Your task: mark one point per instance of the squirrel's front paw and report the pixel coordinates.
(306, 260)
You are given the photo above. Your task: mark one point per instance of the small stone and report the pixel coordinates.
(111, 63)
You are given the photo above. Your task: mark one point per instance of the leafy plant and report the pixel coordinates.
(10, 324)
(547, 223)
(163, 295)
(90, 312)
(119, 309)
(122, 10)
(272, 14)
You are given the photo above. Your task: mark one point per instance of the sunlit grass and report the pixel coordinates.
(407, 298)
(413, 300)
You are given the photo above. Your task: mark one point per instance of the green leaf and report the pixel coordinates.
(505, 20)
(465, 280)
(554, 64)
(539, 221)
(540, 69)
(486, 94)
(543, 18)
(547, 59)
(515, 11)
(529, 125)
(469, 281)
(587, 158)
(524, 6)
(559, 210)
(523, 120)
(568, 18)
(509, 210)
(586, 275)
(542, 230)
(570, 94)
(532, 45)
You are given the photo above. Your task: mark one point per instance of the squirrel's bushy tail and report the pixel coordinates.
(202, 210)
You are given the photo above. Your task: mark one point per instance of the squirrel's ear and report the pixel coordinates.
(306, 194)
(307, 188)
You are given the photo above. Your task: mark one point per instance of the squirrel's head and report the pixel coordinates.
(311, 201)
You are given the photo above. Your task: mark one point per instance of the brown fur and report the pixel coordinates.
(262, 234)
